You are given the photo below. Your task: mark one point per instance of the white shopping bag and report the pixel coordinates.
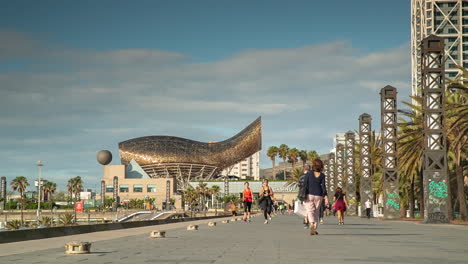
(299, 209)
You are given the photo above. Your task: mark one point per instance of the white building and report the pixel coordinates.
(248, 169)
(443, 18)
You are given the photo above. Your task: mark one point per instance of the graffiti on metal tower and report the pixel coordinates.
(392, 199)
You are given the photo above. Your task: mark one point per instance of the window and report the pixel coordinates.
(244, 165)
(151, 188)
(451, 4)
(465, 30)
(455, 22)
(137, 188)
(452, 74)
(452, 31)
(123, 188)
(244, 169)
(245, 175)
(109, 188)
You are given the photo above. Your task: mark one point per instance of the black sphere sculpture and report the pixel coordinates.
(104, 157)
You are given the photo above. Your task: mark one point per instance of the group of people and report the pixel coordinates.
(315, 201)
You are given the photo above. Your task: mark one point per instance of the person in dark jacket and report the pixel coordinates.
(316, 191)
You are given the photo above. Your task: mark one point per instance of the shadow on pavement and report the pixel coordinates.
(372, 234)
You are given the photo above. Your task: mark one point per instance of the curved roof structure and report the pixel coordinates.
(154, 151)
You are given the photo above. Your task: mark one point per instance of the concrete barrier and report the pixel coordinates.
(30, 234)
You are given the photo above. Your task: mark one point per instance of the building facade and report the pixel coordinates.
(248, 169)
(443, 18)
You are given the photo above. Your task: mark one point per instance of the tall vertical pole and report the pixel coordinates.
(3, 192)
(388, 106)
(339, 164)
(168, 194)
(332, 175)
(226, 185)
(365, 188)
(435, 143)
(350, 140)
(103, 194)
(39, 166)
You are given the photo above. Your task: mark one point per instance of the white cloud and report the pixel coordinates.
(94, 99)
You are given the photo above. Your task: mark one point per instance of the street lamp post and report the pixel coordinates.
(39, 166)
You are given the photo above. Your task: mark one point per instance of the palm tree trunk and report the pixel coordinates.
(284, 169)
(411, 198)
(460, 185)
(21, 207)
(421, 193)
(274, 169)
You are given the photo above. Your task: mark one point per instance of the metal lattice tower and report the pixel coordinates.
(365, 188)
(340, 165)
(331, 175)
(435, 144)
(388, 106)
(443, 18)
(350, 140)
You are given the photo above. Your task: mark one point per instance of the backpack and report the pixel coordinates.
(302, 193)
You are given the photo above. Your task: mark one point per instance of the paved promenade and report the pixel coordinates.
(282, 241)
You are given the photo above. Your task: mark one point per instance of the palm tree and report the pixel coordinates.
(295, 175)
(303, 157)
(203, 191)
(214, 191)
(191, 196)
(293, 154)
(50, 188)
(311, 155)
(410, 149)
(272, 153)
(457, 134)
(75, 186)
(283, 153)
(19, 184)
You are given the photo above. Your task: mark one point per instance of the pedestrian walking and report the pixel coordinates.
(247, 199)
(368, 208)
(340, 204)
(316, 191)
(266, 200)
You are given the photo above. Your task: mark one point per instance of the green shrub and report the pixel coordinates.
(13, 225)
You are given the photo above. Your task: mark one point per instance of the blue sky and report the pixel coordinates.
(80, 76)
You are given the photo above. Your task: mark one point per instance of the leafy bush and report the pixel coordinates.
(47, 221)
(11, 205)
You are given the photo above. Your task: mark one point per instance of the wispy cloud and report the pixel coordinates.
(93, 99)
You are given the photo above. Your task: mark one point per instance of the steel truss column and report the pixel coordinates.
(435, 144)
(339, 165)
(365, 188)
(350, 139)
(331, 175)
(391, 196)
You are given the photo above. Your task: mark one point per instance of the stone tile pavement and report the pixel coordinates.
(282, 241)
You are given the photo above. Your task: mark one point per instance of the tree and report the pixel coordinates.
(410, 149)
(190, 196)
(303, 157)
(203, 190)
(283, 153)
(75, 186)
(214, 191)
(19, 184)
(295, 175)
(272, 153)
(311, 155)
(457, 133)
(293, 154)
(50, 188)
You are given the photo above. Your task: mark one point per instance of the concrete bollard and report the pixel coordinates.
(157, 234)
(225, 222)
(77, 248)
(211, 223)
(192, 227)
